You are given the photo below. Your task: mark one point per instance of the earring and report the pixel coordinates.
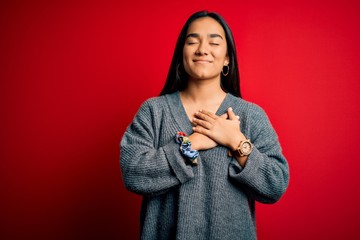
(227, 72)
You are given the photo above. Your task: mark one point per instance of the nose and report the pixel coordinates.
(201, 50)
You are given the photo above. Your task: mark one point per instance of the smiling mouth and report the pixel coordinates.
(201, 61)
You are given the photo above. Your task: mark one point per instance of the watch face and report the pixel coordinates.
(246, 148)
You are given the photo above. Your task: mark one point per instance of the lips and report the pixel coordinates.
(201, 61)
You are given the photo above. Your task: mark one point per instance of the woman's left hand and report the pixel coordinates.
(225, 132)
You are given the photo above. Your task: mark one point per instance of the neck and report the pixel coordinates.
(202, 91)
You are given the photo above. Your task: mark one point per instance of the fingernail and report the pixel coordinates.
(230, 108)
(238, 117)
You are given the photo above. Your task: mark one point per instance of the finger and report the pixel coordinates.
(210, 114)
(200, 129)
(224, 116)
(205, 117)
(231, 114)
(202, 123)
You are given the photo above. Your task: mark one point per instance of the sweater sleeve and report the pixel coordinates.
(266, 173)
(147, 169)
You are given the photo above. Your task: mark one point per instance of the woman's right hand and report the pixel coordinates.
(201, 142)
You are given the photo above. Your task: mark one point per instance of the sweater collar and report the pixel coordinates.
(179, 114)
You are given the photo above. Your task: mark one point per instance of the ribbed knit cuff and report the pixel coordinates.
(182, 171)
(246, 174)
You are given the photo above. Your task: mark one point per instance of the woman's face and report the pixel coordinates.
(205, 49)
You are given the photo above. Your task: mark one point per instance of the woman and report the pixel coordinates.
(199, 154)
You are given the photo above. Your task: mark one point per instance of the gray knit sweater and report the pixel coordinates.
(213, 200)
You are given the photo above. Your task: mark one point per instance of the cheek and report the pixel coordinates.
(185, 55)
(187, 58)
(221, 54)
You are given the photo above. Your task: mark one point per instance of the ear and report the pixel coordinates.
(227, 61)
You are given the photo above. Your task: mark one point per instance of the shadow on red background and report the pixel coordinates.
(73, 74)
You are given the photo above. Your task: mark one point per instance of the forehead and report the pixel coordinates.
(206, 25)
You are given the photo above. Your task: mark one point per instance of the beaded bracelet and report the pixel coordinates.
(185, 147)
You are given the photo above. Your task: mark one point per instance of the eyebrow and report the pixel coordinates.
(196, 35)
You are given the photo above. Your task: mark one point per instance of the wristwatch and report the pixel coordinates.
(245, 147)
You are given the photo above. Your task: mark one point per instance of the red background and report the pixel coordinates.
(73, 74)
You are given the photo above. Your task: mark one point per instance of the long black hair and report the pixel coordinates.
(177, 77)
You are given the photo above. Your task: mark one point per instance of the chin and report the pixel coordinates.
(204, 76)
